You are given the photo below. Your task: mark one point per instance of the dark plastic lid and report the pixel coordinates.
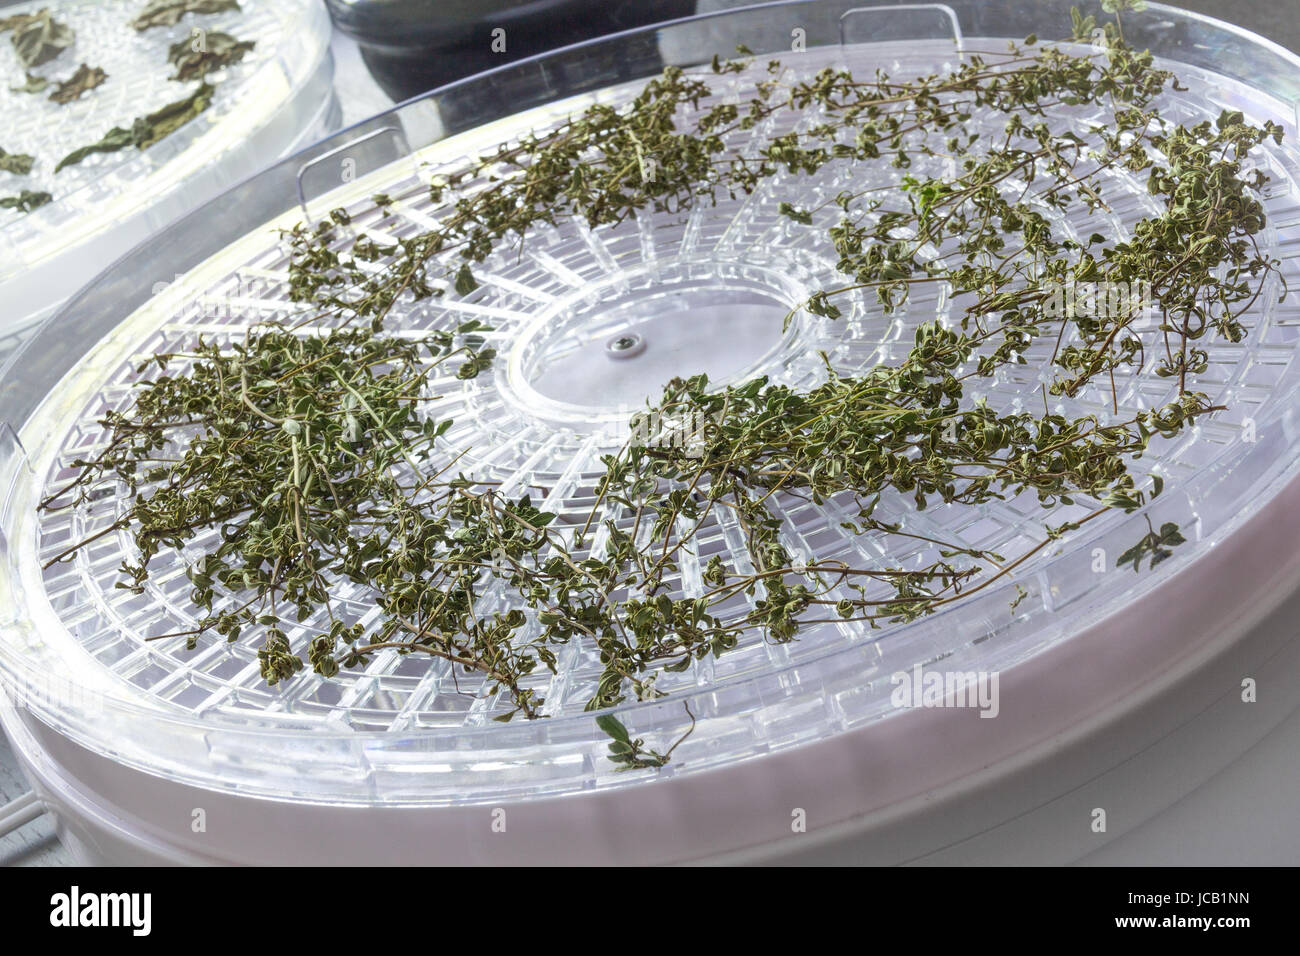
(415, 45)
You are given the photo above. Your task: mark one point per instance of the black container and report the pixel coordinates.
(411, 46)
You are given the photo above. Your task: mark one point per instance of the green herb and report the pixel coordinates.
(166, 13)
(37, 37)
(219, 50)
(165, 121)
(117, 138)
(19, 163)
(305, 446)
(83, 81)
(310, 430)
(146, 130)
(1155, 546)
(33, 84)
(631, 753)
(25, 201)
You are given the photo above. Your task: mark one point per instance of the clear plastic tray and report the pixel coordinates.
(399, 732)
(275, 100)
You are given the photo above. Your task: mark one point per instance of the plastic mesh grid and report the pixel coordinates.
(552, 451)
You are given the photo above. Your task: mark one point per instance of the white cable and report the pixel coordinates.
(20, 813)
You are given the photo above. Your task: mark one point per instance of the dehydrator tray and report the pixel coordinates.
(274, 97)
(702, 291)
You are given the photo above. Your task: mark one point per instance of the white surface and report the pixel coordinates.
(1246, 815)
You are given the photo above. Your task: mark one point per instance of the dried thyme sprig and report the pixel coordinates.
(302, 447)
(146, 130)
(605, 164)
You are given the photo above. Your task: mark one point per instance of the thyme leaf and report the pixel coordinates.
(146, 130)
(85, 79)
(217, 51)
(25, 201)
(166, 13)
(37, 37)
(18, 163)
